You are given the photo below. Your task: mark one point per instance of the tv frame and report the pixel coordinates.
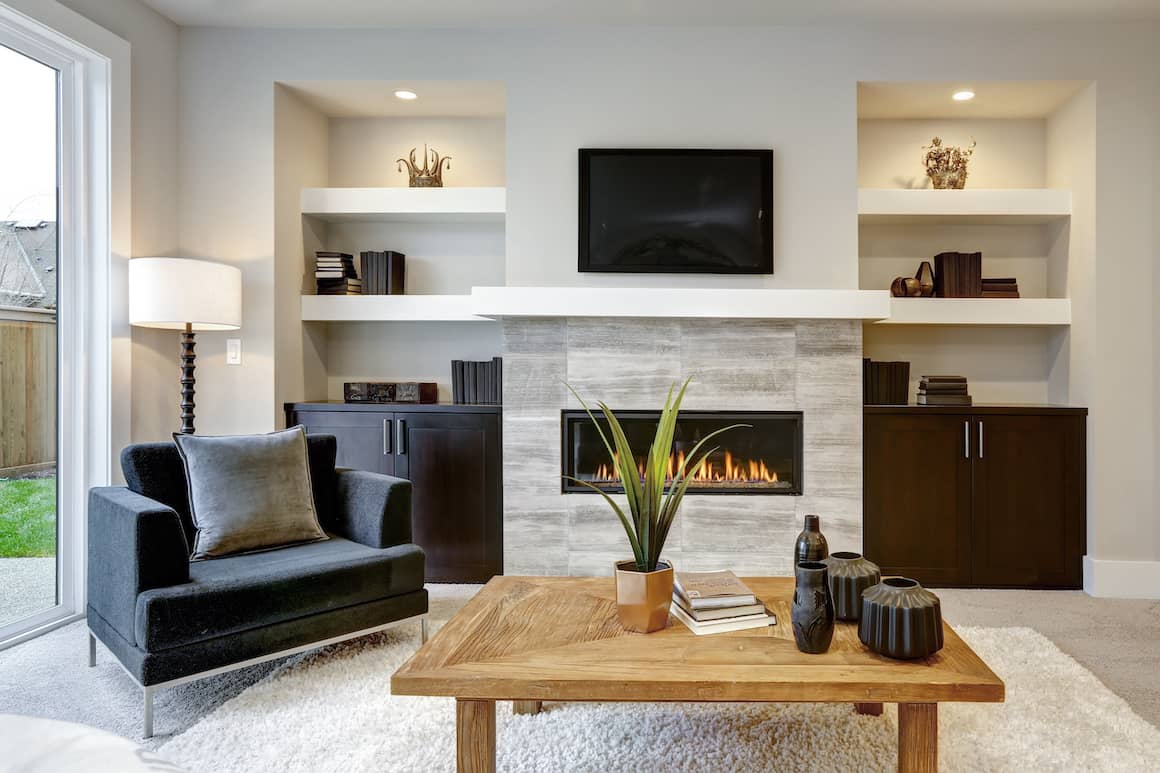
(585, 155)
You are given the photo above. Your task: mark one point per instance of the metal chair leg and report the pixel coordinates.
(423, 629)
(148, 717)
(92, 650)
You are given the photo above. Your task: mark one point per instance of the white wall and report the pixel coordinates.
(1008, 154)
(301, 160)
(790, 89)
(154, 88)
(363, 150)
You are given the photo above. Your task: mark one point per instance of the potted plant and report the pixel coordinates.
(644, 584)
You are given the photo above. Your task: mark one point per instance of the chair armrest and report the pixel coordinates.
(373, 509)
(135, 544)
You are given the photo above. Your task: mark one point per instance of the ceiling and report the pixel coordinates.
(531, 13)
(993, 99)
(376, 99)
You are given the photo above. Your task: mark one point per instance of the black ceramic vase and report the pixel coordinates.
(901, 619)
(850, 574)
(811, 543)
(813, 608)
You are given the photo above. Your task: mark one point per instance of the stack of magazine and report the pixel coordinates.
(715, 602)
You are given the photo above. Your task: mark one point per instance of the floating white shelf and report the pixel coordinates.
(660, 302)
(996, 206)
(403, 205)
(388, 308)
(979, 311)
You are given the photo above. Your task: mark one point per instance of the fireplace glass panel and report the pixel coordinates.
(763, 458)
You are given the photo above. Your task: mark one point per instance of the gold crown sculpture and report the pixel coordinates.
(427, 177)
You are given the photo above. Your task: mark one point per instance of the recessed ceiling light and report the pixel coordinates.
(959, 96)
(409, 95)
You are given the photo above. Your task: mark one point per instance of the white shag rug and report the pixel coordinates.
(334, 711)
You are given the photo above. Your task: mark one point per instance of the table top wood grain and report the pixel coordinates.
(558, 638)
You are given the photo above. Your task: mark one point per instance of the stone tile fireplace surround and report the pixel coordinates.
(809, 365)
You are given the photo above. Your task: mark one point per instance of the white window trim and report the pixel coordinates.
(94, 233)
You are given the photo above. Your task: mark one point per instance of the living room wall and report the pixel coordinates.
(792, 89)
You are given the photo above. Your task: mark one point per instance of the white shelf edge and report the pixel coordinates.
(680, 303)
(1043, 312)
(1034, 205)
(388, 308)
(432, 204)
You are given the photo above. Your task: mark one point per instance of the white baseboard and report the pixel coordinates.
(1121, 579)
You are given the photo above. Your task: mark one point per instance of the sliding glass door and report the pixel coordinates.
(30, 572)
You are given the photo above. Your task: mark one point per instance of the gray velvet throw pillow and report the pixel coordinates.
(249, 492)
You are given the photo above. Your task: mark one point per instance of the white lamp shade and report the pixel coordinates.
(171, 293)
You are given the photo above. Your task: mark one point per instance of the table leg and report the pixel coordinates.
(475, 736)
(869, 709)
(918, 738)
(527, 707)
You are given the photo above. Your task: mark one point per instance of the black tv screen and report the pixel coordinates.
(676, 211)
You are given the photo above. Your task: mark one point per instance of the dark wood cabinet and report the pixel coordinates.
(917, 508)
(984, 496)
(451, 455)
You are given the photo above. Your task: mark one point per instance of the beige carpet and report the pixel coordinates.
(333, 711)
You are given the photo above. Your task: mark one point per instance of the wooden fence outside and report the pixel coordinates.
(27, 394)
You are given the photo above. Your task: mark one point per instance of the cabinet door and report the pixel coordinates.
(453, 462)
(917, 496)
(364, 437)
(1028, 501)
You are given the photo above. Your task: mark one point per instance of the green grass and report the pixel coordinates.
(27, 517)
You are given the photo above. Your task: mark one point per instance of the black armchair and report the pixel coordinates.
(169, 621)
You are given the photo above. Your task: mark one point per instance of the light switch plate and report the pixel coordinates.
(233, 351)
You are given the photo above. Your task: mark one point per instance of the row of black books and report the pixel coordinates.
(1005, 287)
(716, 602)
(477, 383)
(334, 274)
(885, 383)
(943, 390)
(383, 273)
(958, 275)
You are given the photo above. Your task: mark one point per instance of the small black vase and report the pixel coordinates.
(811, 543)
(813, 608)
(901, 619)
(850, 574)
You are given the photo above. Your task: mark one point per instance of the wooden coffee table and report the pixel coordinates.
(532, 639)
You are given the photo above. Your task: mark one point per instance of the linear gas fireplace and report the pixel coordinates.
(765, 458)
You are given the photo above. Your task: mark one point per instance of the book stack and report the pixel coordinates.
(383, 273)
(958, 274)
(885, 383)
(477, 383)
(334, 274)
(716, 602)
(1007, 287)
(943, 390)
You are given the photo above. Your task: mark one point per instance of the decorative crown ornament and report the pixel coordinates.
(429, 176)
(946, 167)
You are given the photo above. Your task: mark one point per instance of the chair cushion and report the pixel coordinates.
(249, 492)
(155, 470)
(240, 593)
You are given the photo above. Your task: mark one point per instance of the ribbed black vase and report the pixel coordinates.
(901, 619)
(812, 613)
(850, 574)
(811, 543)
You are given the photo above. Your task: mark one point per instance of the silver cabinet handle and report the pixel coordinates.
(980, 438)
(966, 439)
(386, 437)
(401, 437)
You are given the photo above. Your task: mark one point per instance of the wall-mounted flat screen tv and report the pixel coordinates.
(676, 211)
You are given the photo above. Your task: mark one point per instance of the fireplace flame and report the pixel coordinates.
(731, 471)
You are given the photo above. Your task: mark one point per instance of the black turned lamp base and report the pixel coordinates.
(187, 379)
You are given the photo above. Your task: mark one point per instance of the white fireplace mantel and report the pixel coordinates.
(662, 302)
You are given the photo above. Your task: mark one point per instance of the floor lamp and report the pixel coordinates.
(186, 295)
